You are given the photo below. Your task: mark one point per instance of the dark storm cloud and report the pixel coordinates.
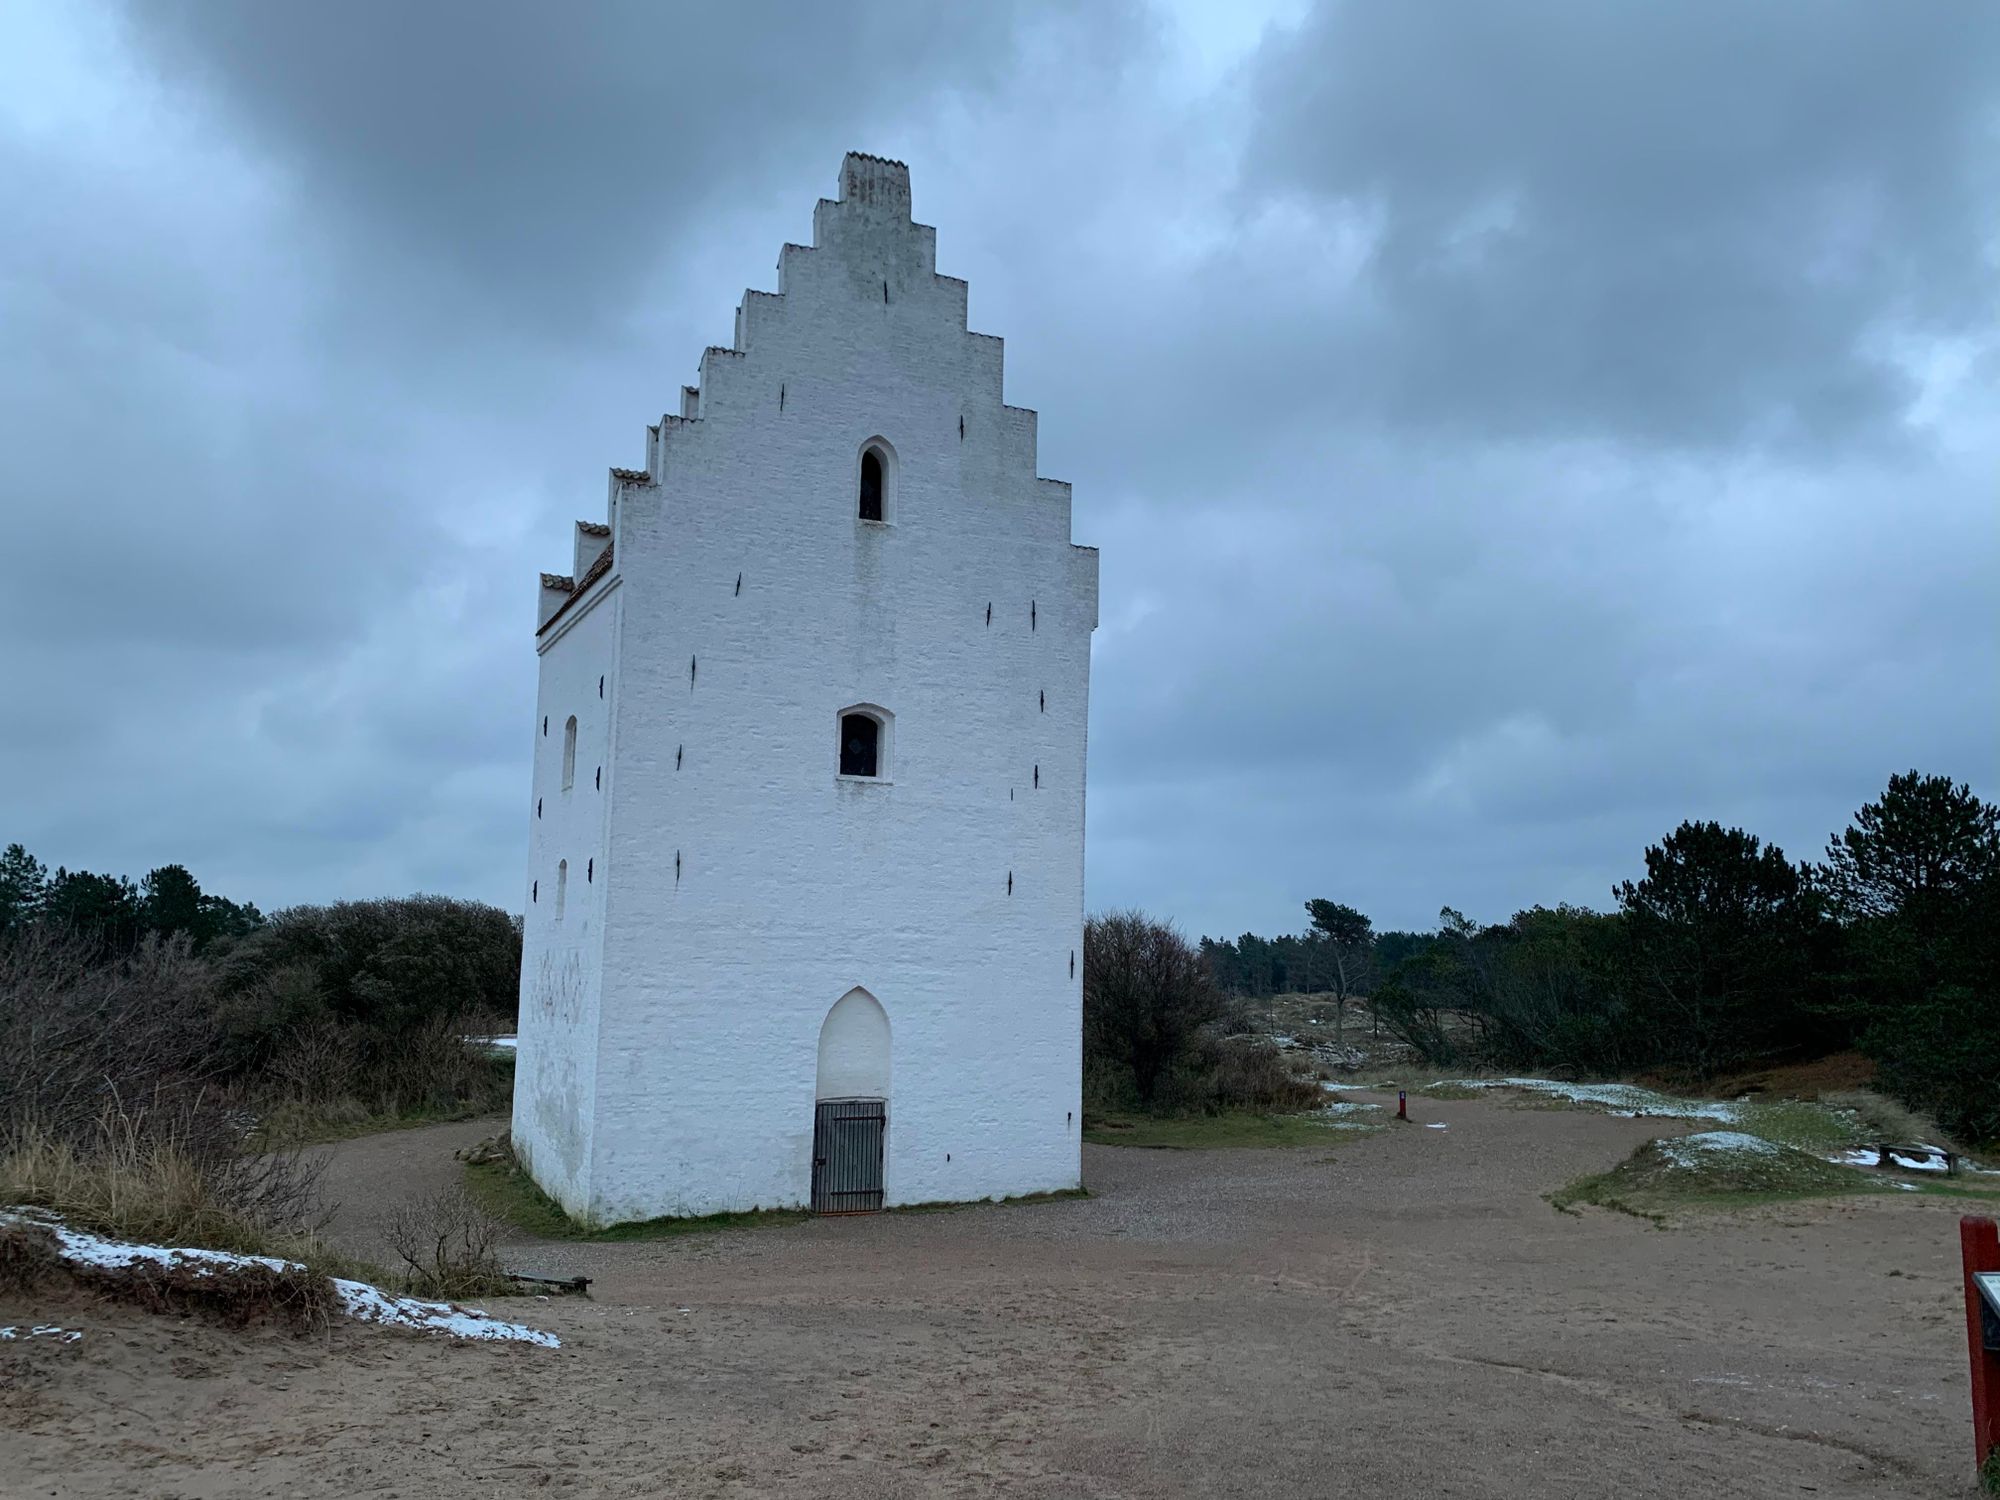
(550, 155)
(1509, 429)
(1690, 223)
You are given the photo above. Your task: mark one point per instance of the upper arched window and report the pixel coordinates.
(875, 482)
(569, 753)
(871, 485)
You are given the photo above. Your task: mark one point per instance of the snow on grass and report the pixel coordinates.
(369, 1304)
(42, 1331)
(1436, 1125)
(1626, 1100)
(1701, 1149)
(1346, 1114)
(501, 1043)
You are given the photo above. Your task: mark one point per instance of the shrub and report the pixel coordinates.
(446, 1245)
(134, 1035)
(1221, 1076)
(1148, 999)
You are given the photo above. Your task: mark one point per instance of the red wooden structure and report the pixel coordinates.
(1979, 1239)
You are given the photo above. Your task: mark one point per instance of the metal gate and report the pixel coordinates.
(847, 1155)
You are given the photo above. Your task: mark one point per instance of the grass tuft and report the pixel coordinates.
(1666, 1174)
(1793, 1122)
(1448, 1091)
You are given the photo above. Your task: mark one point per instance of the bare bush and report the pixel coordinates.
(111, 1111)
(1148, 998)
(1221, 1076)
(82, 1035)
(446, 1245)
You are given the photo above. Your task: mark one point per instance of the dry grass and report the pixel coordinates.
(121, 1180)
(125, 1185)
(1881, 1118)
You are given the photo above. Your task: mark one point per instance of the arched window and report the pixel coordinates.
(871, 485)
(860, 744)
(875, 482)
(569, 753)
(562, 887)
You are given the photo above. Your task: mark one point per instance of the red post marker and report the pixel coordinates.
(1402, 1104)
(1979, 1239)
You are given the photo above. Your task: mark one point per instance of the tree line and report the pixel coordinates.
(111, 909)
(1723, 954)
(323, 1012)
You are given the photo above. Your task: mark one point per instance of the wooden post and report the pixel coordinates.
(1979, 1240)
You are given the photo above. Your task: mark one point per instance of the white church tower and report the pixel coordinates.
(805, 887)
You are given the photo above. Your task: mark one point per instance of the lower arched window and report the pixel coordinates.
(871, 486)
(860, 745)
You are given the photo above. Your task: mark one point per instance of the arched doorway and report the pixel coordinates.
(851, 1106)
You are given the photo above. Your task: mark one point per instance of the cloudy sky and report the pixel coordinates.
(1510, 428)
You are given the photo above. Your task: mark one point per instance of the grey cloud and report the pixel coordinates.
(1680, 224)
(1489, 429)
(549, 157)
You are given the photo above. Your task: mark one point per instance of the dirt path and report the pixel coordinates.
(1401, 1315)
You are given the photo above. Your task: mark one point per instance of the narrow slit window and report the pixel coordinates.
(871, 486)
(569, 753)
(562, 886)
(860, 745)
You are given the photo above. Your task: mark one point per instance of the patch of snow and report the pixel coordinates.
(1692, 1150)
(1909, 1187)
(43, 1331)
(504, 1043)
(1280, 1039)
(1919, 1163)
(1868, 1156)
(1625, 1100)
(370, 1304)
(1437, 1125)
(373, 1305)
(114, 1255)
(1335, 1088)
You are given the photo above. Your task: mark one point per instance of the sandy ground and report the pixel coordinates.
(1395, 1316)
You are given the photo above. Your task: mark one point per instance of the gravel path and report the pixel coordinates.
(1401, 1315)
